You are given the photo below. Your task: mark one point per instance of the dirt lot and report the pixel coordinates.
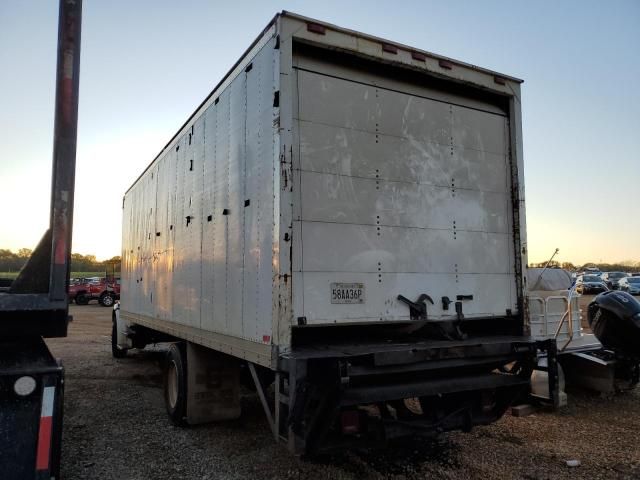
(116, 428)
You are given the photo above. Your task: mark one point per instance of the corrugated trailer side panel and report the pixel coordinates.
(218, 322)
(164, 231)
(260, 169)
(187, 228)
(198, 234)
(145, 244)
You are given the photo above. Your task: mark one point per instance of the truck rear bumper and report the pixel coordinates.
(366, 394)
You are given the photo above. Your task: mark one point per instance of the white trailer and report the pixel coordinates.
(344, 215)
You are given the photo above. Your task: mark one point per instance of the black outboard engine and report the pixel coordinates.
(614, 318)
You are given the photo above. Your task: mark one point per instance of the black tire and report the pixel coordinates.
(116, 351)
(106, 300)
(82, 299)
(175, 384)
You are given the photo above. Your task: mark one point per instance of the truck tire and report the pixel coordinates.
(106, 300)
(116, 351)
(82, 299)
(175, 384)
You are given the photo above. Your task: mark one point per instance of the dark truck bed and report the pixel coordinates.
(457, 383)
(35, 305)
(30, 424)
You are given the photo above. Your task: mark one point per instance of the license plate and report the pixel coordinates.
(347, 293)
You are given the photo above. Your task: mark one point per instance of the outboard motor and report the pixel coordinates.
(614, 318)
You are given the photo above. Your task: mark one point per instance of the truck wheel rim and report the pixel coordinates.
(107, 301)
(172, 384)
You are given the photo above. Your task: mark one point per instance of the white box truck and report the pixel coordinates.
(342, 221)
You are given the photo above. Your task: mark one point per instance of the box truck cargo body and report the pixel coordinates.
(343, 215)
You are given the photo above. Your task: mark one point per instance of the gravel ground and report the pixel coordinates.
(116, 428)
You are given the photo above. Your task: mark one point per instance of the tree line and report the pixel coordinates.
(626, 266)
(13, 261)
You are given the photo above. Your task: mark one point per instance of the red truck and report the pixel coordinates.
(105, 291)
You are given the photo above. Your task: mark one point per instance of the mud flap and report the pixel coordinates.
(213, 389)
(124, 341)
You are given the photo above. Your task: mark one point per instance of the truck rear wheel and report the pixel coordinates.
(82, 299)
(175, 384)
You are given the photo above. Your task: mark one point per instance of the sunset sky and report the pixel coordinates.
(146, 65)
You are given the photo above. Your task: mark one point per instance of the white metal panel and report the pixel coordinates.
(401, 81)
(337, 102)
(478, 130)
(518, 221)
(258, 200)
(346, 199)
(221, 200)
(138, 244)
(344, 151)
(201, 264)
(181, 281)
(235, 219)
(146, 226)
(381, 291)
(125, 248)
(209, 259)
(403, 193)
(163, 244)
(366, 248)
(131, 203)
(188, 224)
(283, 157)
(129, 253)
(196, 154)
(415, 118)
(210, 218)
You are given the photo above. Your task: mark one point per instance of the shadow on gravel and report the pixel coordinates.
(399, 457)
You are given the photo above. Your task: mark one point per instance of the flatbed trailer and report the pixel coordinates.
(342, 218)
(34, 306)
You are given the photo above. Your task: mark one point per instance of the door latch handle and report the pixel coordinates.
(417, 309)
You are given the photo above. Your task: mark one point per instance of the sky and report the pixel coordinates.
(146, 65)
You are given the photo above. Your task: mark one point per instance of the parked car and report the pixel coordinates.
(106, 292)
(590, 284)
(592, 271)
(587, 271)
(612, 279)
(630, 284)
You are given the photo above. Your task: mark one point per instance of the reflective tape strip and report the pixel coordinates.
(44, 433)
(47, 401)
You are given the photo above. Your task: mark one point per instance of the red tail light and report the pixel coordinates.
(350, 422)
